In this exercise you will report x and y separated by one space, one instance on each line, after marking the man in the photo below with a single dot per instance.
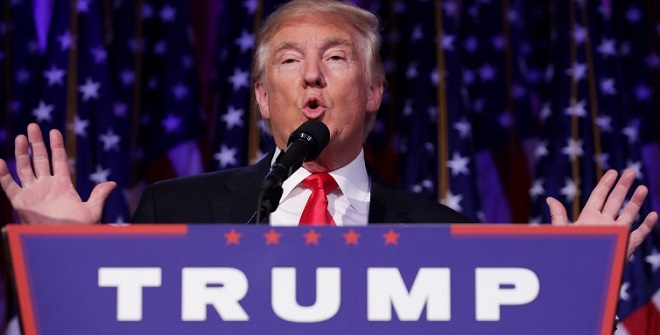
314 60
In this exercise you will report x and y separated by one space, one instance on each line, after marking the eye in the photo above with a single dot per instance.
288 61
336 58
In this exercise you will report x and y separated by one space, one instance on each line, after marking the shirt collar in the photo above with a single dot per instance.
352 179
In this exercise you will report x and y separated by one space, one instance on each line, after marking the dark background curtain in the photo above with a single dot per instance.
491 105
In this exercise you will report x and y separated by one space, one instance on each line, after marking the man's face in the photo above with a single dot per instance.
315 70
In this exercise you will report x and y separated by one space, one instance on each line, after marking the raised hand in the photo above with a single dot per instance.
44 197
604 208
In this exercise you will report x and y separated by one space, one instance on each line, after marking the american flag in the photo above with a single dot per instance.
491 105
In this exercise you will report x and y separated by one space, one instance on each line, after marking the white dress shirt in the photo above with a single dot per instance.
348 204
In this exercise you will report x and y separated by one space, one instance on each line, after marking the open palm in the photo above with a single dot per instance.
605 208
44 197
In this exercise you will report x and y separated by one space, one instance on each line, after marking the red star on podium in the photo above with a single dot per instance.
272 237
351 237
391 237
233 237
312 237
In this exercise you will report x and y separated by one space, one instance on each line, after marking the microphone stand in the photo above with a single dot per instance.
269 199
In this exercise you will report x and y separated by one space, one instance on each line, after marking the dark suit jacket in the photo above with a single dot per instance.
231 196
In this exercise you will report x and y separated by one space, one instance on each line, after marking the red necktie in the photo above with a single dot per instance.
316 210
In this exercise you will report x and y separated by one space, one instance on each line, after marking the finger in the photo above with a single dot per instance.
557 212
599 194
619 193
23 161
60 163
40 161
638 236
629 213
7 181
97 198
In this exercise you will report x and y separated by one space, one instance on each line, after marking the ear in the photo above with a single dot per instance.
262 99
375 97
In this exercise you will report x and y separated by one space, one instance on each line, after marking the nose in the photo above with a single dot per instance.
313 74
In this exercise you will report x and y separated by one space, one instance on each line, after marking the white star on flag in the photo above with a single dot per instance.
623 291
246 41
233 118
607 86
569 190
119 109
579 34
577 71
411 72
604 123
127 77
171 123
448 42
83 6
471 44
498 42
110 140
464 128
100 176
167 13
180 91
573 149
22 76
607 47
458 164
90 89
487 72
66 40
633 15
631 133
654 260
226 156
160 48
603 159
99 54
637 167
541 150
417 33
407 108
453 201
251 6
42 112
537 188
54 75
79 126
577 109
147 11
239 79
546 111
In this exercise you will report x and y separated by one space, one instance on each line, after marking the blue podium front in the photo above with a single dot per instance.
237 279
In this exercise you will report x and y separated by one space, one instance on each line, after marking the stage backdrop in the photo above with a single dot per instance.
491 105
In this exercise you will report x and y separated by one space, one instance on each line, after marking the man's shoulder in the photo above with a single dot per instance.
417 208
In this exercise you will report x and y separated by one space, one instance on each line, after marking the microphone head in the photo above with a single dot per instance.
313 132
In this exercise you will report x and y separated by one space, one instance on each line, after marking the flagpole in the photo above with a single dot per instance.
72 89
253 118
137 93
593 100
442 146
574 118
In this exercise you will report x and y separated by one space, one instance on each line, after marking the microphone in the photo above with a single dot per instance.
305 144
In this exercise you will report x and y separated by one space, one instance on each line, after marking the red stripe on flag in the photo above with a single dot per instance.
644 321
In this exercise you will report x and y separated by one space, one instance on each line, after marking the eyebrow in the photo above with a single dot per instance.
330 43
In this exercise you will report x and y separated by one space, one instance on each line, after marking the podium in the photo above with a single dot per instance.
381 279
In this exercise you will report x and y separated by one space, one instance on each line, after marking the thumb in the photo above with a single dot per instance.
97 198
557 212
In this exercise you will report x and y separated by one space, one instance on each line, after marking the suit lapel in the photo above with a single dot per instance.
242 192
384 207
